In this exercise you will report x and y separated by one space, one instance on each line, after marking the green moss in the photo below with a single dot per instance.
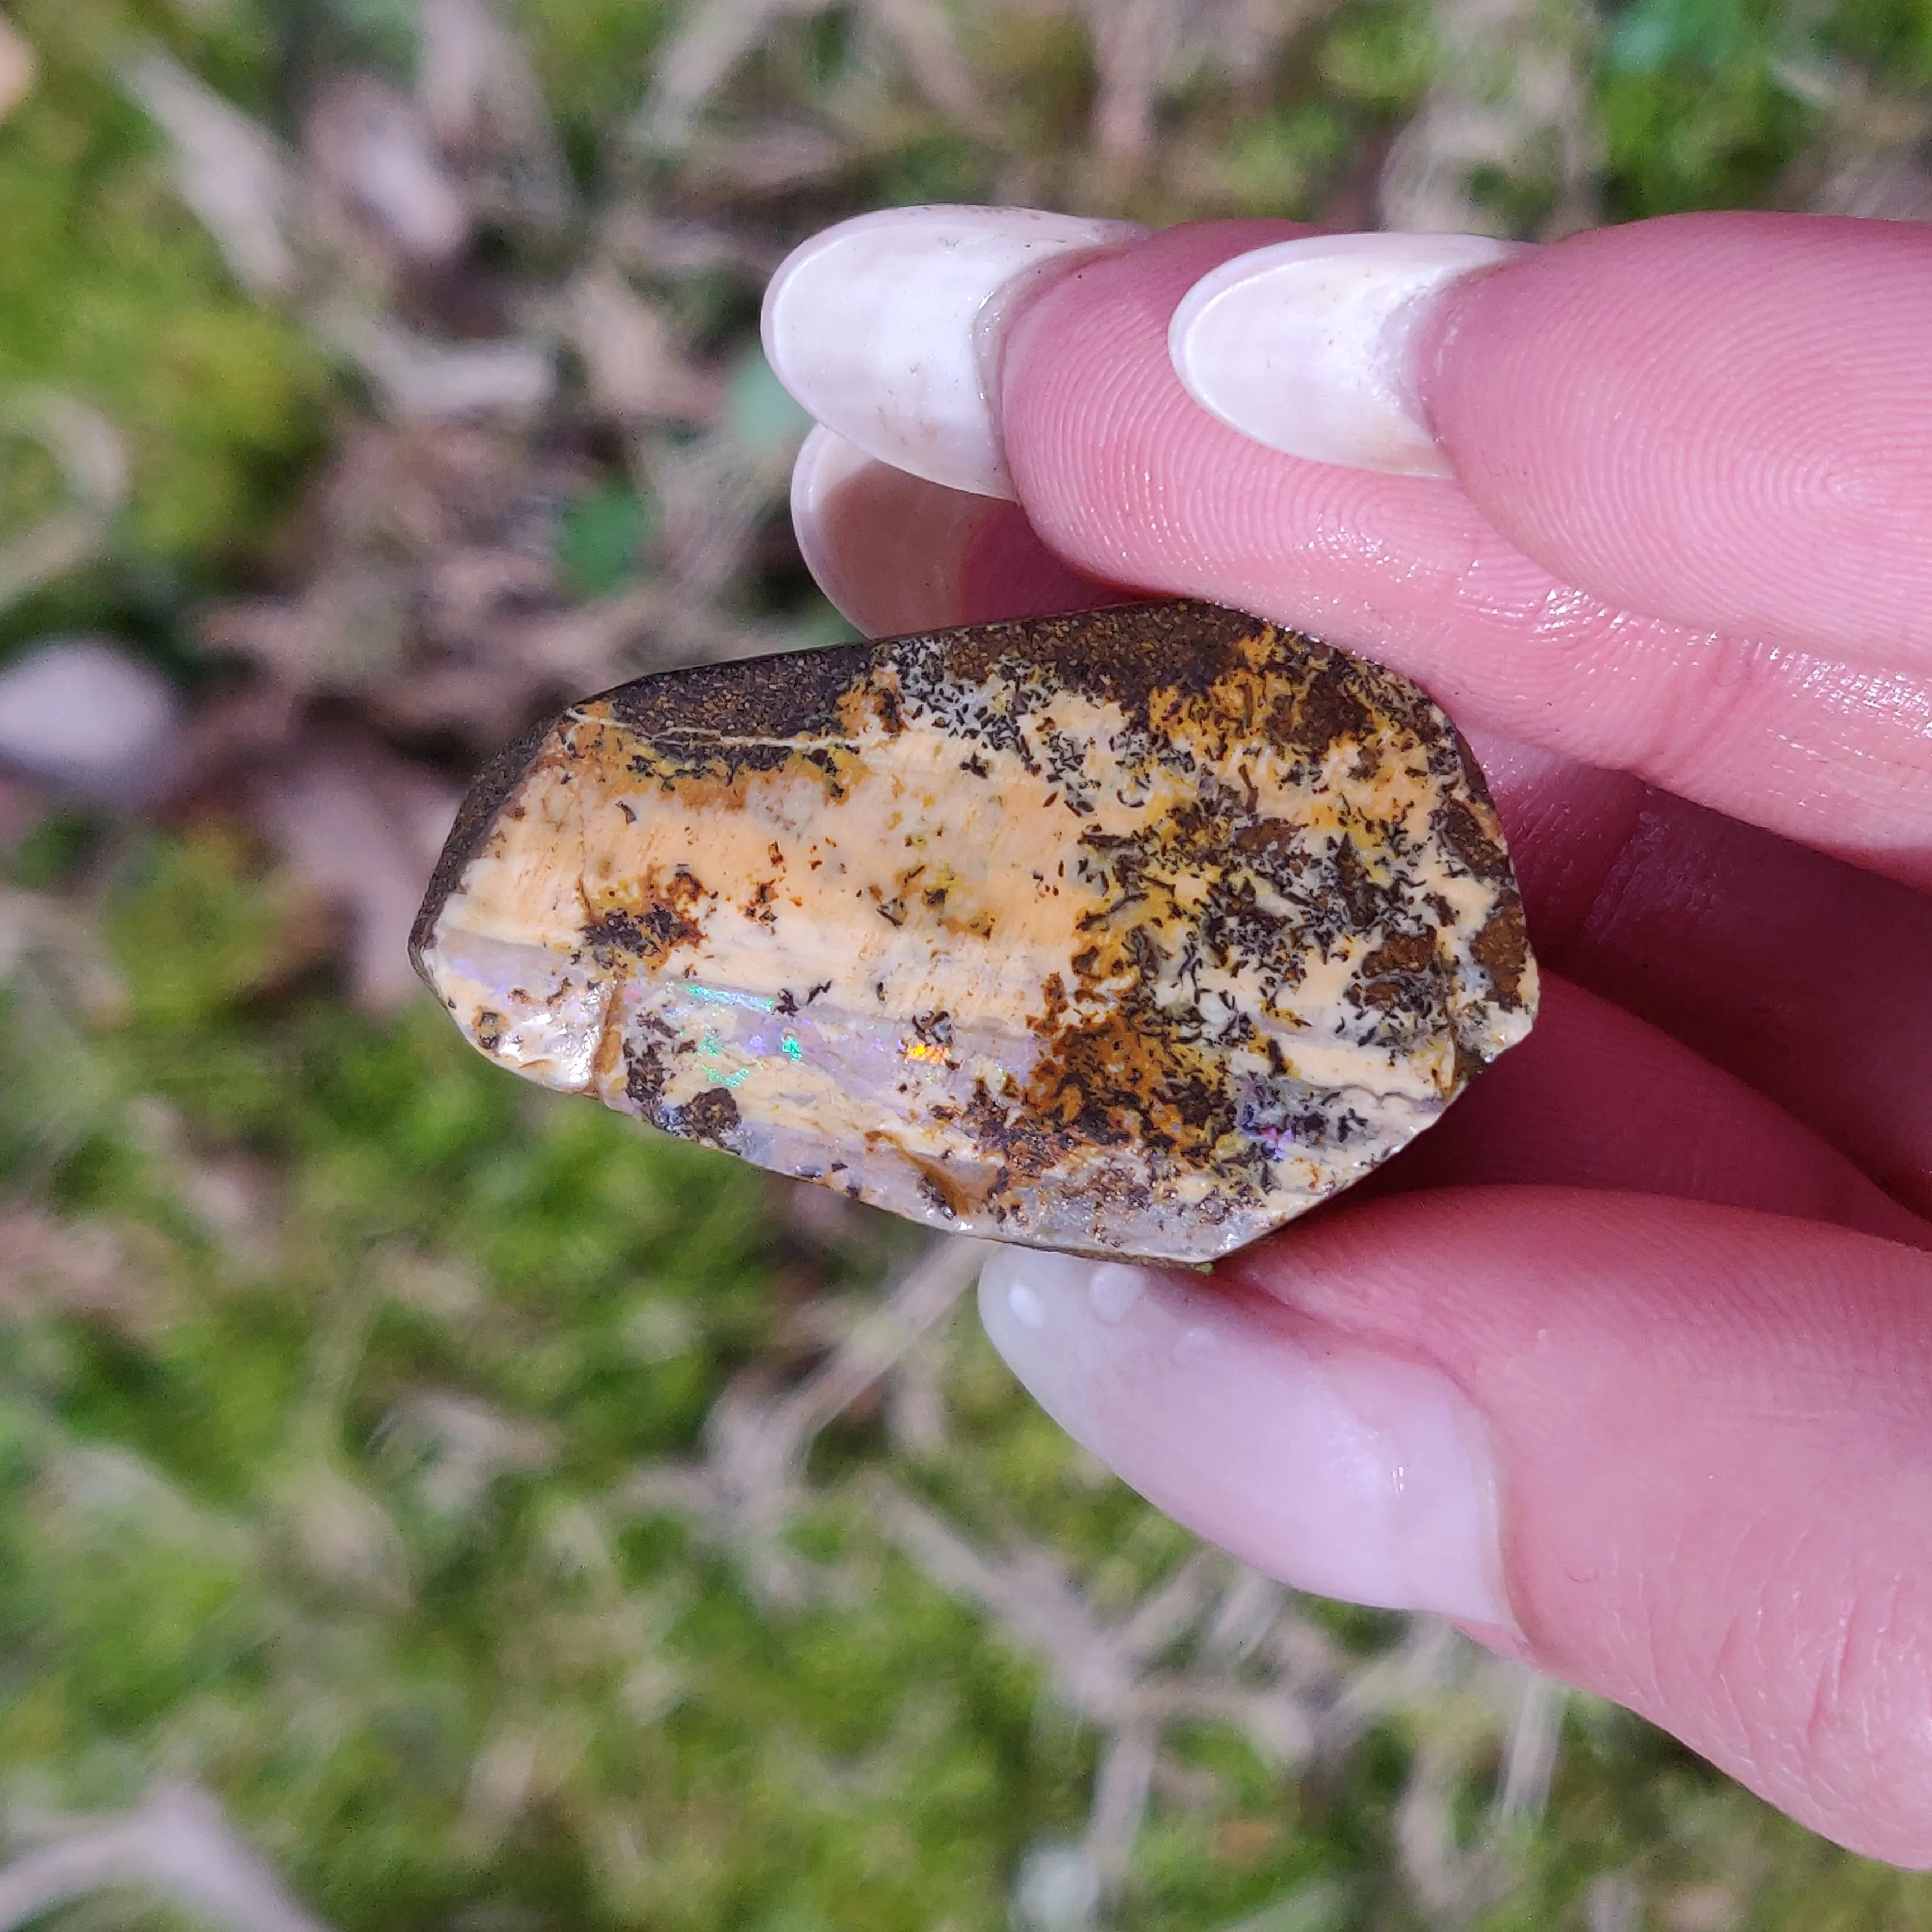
1890 39
109 292
1694 114
593 57
601 537
1383 54
1280 163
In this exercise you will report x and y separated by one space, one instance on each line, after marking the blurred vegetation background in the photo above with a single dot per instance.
424 1504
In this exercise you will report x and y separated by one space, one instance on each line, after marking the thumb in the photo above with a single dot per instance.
1674 1453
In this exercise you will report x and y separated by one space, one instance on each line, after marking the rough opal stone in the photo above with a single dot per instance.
1136 933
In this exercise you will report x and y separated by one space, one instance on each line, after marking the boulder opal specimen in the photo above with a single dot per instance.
1134 933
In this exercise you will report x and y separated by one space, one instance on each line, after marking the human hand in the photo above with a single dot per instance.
1627 1367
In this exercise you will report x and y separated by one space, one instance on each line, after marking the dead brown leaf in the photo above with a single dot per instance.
360 828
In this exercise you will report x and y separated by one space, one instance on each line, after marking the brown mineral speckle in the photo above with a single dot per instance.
712 1116
644 1077
1501 949
1472 834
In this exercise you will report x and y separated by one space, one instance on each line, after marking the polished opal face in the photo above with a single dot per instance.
1136 933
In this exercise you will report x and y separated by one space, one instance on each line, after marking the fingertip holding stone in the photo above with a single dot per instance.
1349 1474
885 328
829 472
887 548
1307 346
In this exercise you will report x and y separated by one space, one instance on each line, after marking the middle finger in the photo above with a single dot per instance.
1800 974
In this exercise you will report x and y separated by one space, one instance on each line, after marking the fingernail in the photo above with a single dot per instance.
1307 346
883 546
828 473
887 328
1333 1469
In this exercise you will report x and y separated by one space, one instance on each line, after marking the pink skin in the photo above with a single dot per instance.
897 551
1711 930
1122 476
1758 466
1697 1314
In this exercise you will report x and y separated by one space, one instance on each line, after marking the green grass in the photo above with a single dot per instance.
110 293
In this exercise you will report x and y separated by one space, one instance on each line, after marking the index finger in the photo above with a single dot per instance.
1725 420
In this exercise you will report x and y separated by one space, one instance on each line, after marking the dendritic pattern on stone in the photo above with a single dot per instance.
1135 932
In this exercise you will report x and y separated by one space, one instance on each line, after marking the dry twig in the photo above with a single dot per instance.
1510 96
750 1487
178 1843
